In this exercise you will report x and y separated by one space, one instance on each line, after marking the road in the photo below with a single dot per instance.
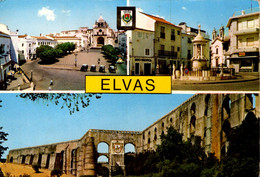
222 87
64 78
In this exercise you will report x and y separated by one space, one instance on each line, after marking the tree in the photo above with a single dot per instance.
3 138
110 53
242 158
71 101
41 49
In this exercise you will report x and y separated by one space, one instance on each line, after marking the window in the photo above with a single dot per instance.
250 24
173 34
22 51
162 47
29 45
147 51
239 43
250 41
216 50
22 44
179 32
139 34
189 40
172 48
162 34
178 49
38 43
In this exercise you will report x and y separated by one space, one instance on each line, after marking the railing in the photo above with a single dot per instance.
211 72
247 11
167 53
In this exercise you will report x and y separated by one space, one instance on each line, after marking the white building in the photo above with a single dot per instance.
140 46
5 58
102 34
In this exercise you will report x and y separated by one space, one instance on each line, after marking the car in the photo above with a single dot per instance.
84 67
93 68
112 69
102 68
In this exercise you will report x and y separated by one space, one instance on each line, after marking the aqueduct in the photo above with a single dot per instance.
207 115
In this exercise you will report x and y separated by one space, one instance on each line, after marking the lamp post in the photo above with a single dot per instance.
75 59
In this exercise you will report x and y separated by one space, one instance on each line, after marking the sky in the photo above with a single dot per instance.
31 123
33 17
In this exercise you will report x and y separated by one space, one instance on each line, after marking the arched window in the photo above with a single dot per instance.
103 147
102 159
130 148
193 109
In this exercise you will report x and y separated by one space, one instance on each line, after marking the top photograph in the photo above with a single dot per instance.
202 45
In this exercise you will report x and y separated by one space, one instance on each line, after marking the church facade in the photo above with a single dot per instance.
102 34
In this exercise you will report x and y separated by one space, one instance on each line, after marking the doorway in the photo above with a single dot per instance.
147 69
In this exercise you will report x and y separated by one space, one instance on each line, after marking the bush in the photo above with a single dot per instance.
36 168
1 173
56 172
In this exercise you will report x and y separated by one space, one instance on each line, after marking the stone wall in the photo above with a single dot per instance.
206 115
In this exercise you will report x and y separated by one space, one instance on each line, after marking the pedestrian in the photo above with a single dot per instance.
50 88
51 82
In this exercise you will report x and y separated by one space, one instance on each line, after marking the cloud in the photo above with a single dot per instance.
49 14
183 8
66 12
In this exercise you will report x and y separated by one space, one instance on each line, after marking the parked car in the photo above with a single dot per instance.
93 68
112 69
102 69
84 67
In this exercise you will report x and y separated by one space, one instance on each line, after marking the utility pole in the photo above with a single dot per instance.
128 47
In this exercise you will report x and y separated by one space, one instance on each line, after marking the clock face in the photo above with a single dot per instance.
100 30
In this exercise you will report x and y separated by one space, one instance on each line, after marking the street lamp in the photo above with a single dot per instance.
75 59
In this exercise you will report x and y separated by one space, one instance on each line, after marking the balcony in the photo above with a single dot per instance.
248 49
247 31
164 53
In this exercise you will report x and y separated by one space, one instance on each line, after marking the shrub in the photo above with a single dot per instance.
1 173
36 168
56 172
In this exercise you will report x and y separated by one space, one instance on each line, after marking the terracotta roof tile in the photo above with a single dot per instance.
158 19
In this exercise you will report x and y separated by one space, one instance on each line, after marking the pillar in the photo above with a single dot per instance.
90 158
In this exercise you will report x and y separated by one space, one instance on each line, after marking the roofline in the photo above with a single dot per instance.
241 16
169 23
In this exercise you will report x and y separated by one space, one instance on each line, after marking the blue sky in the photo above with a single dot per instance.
48 16
33 123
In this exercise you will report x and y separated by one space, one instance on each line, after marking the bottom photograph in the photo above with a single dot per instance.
94 135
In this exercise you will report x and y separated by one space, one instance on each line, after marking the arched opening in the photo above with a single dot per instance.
143 136
103 148
162 133
23 159
206 104
102 159
48 161
130 148
39 159
100 41
11 160
73 163
162 124
102 171
155 137
192 124
226 107
59 160
193 109
31 160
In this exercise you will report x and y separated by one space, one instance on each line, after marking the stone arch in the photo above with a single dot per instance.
193 109
103 147
31 160
11 160
39 159
207 98
103 159
23 159
102 171
130 148
73 162
100 41
48 161
192 124
226 108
